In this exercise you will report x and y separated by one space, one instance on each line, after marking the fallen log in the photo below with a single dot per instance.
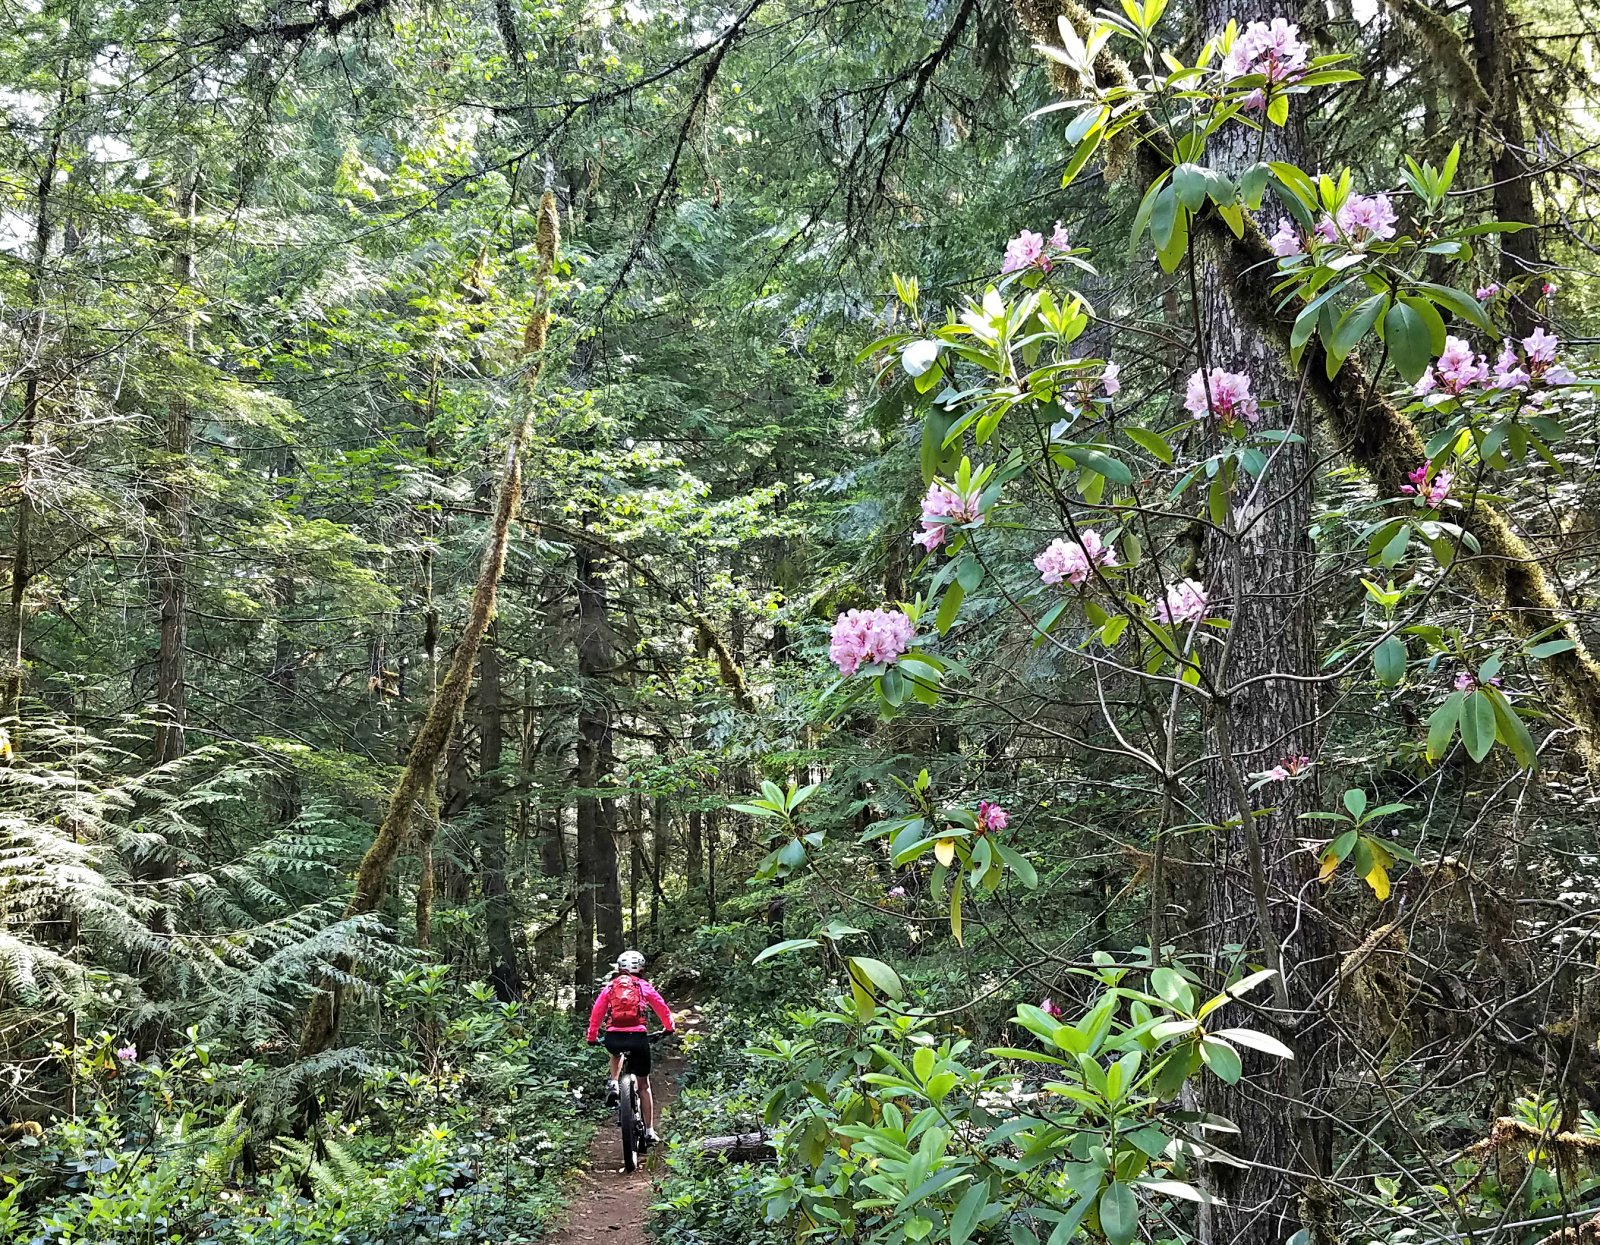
740 1147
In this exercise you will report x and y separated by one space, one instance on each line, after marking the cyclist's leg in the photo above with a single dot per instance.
647 1103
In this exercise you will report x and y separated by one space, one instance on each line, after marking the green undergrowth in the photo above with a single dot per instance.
709 1200
457 1122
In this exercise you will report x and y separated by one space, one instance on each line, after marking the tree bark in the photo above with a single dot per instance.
599 887
504 974
1497 52
1259 571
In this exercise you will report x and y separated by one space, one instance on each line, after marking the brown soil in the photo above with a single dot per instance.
609 1205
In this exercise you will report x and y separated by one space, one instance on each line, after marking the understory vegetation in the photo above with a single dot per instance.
1039 564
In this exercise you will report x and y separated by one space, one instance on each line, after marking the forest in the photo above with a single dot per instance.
1033 568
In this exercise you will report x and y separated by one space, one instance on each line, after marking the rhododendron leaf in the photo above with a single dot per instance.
880 976
1171 988
1395 548
1222 1059
892 687
1355 801
1327 77
969 573
1217 501
1330 864
1097 460
1081 156
1189 183
1389 660
1409 340
944 851
1511 730
1477 725
1377 877
949 607
1442 725
1463 304
1113 629
1085 121
1164 218
1154 442
1278 110
1550 648
1047 622
955 919
1018 864
1171 255
1431 319
1141 218
1255 1040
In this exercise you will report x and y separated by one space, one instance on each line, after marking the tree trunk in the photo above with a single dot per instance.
504 975
712 823
1499 63
599 887
1259 571
694 873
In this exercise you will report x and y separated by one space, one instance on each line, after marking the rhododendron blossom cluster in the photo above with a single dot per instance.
1271 49
1033 250
1286 242
1289 767
861 636
1486 292
1467 681
1458 369
941 507
991 816
1226 394
1071 560
1183 602
1434 492
1364 217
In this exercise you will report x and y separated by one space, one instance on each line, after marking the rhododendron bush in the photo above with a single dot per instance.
1329 342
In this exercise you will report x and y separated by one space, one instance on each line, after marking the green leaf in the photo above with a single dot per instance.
1098 461
783 948
1550 648
969 573
1163 218
1221 1059
1511 729
949 607
1442 725
1119 1213
1189 183
1477 725
1389 660
1395 549
972 1205
1154 442
1409 341
1278 110
1463 304
1355 802
1431 320
882 978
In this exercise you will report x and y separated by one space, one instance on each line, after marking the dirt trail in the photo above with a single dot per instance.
611 1205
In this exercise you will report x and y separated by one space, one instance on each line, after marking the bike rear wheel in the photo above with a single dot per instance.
628 1119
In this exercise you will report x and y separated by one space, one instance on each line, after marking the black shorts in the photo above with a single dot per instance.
636 1046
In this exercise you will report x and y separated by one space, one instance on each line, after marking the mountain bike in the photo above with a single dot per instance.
630 1119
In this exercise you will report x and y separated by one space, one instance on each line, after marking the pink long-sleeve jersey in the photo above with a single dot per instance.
647 993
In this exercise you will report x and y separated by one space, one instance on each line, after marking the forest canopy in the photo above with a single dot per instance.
1036 563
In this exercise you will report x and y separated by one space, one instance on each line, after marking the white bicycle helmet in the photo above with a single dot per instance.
630 962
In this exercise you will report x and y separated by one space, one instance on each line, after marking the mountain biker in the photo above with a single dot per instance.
621 1005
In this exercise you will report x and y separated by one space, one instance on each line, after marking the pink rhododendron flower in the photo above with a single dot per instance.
1426 384
1549 287
1058 238
1229 394
1362 217
991 816
1286 241
1466 681
1458 369
1109 378
127 1053
1327 230
1049 1007
1276 774
1271 49
1256 101
896 892
1560 374
1184 602
1508 370
1433 492
1541 346
942 507
861 636
1486 292
1071 560
1026 250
